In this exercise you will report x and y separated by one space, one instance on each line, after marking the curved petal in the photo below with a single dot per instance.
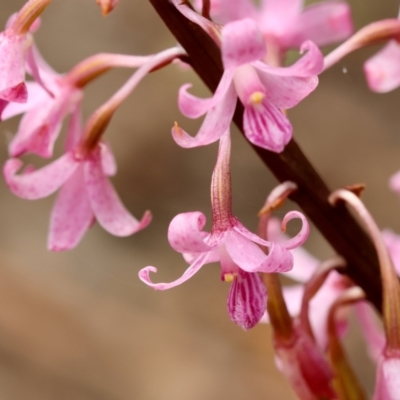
144 274
241 43
387 385
194 107
238 227
266 126
302 236
394 182
215 124
383 69
185 233
324 23
40 183
72 214
106 205
312 63
247 299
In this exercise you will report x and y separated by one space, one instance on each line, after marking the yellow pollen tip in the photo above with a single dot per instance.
229 277
257 98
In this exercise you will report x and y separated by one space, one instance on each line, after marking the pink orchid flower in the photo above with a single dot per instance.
287 24
82 172
232 245
15 52
46 109
263 90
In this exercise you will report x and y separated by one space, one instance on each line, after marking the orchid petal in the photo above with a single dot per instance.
266 126
144 274
387 386
194 107
383 69
215 124
40 183
307 66
72 215
394 182
302 236
247 299
36 95
106 205
324 23
278 16
185 233
238 227
74 130
241 43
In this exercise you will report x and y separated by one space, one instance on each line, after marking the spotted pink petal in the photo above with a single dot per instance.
144 274
72 214
324 23
12 72
194 107
266 126
105 203
383 69
215 124
247 299
40 183
185 233
241 43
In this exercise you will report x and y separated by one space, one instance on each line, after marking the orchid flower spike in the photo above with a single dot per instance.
15 44
388 372
286 24
232 245
82 172
107 5
263 90
46 109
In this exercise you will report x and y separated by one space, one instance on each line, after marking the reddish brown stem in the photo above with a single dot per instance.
336 224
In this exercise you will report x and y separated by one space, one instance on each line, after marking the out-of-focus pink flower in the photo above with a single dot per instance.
264 91
387 386
85 193
46 109
232 245
107 5
287 24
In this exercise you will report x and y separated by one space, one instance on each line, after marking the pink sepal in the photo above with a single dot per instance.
241 43
107 159
383 69
324 23
105 203
247 299
40 183
215 124
185 233
72 214
144 274
194 107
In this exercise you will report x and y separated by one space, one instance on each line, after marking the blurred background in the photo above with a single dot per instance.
80 325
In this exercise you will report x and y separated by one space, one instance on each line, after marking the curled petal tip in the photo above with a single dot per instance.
107 5
357 188
277 197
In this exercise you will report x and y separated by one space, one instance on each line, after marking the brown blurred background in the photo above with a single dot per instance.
80 325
